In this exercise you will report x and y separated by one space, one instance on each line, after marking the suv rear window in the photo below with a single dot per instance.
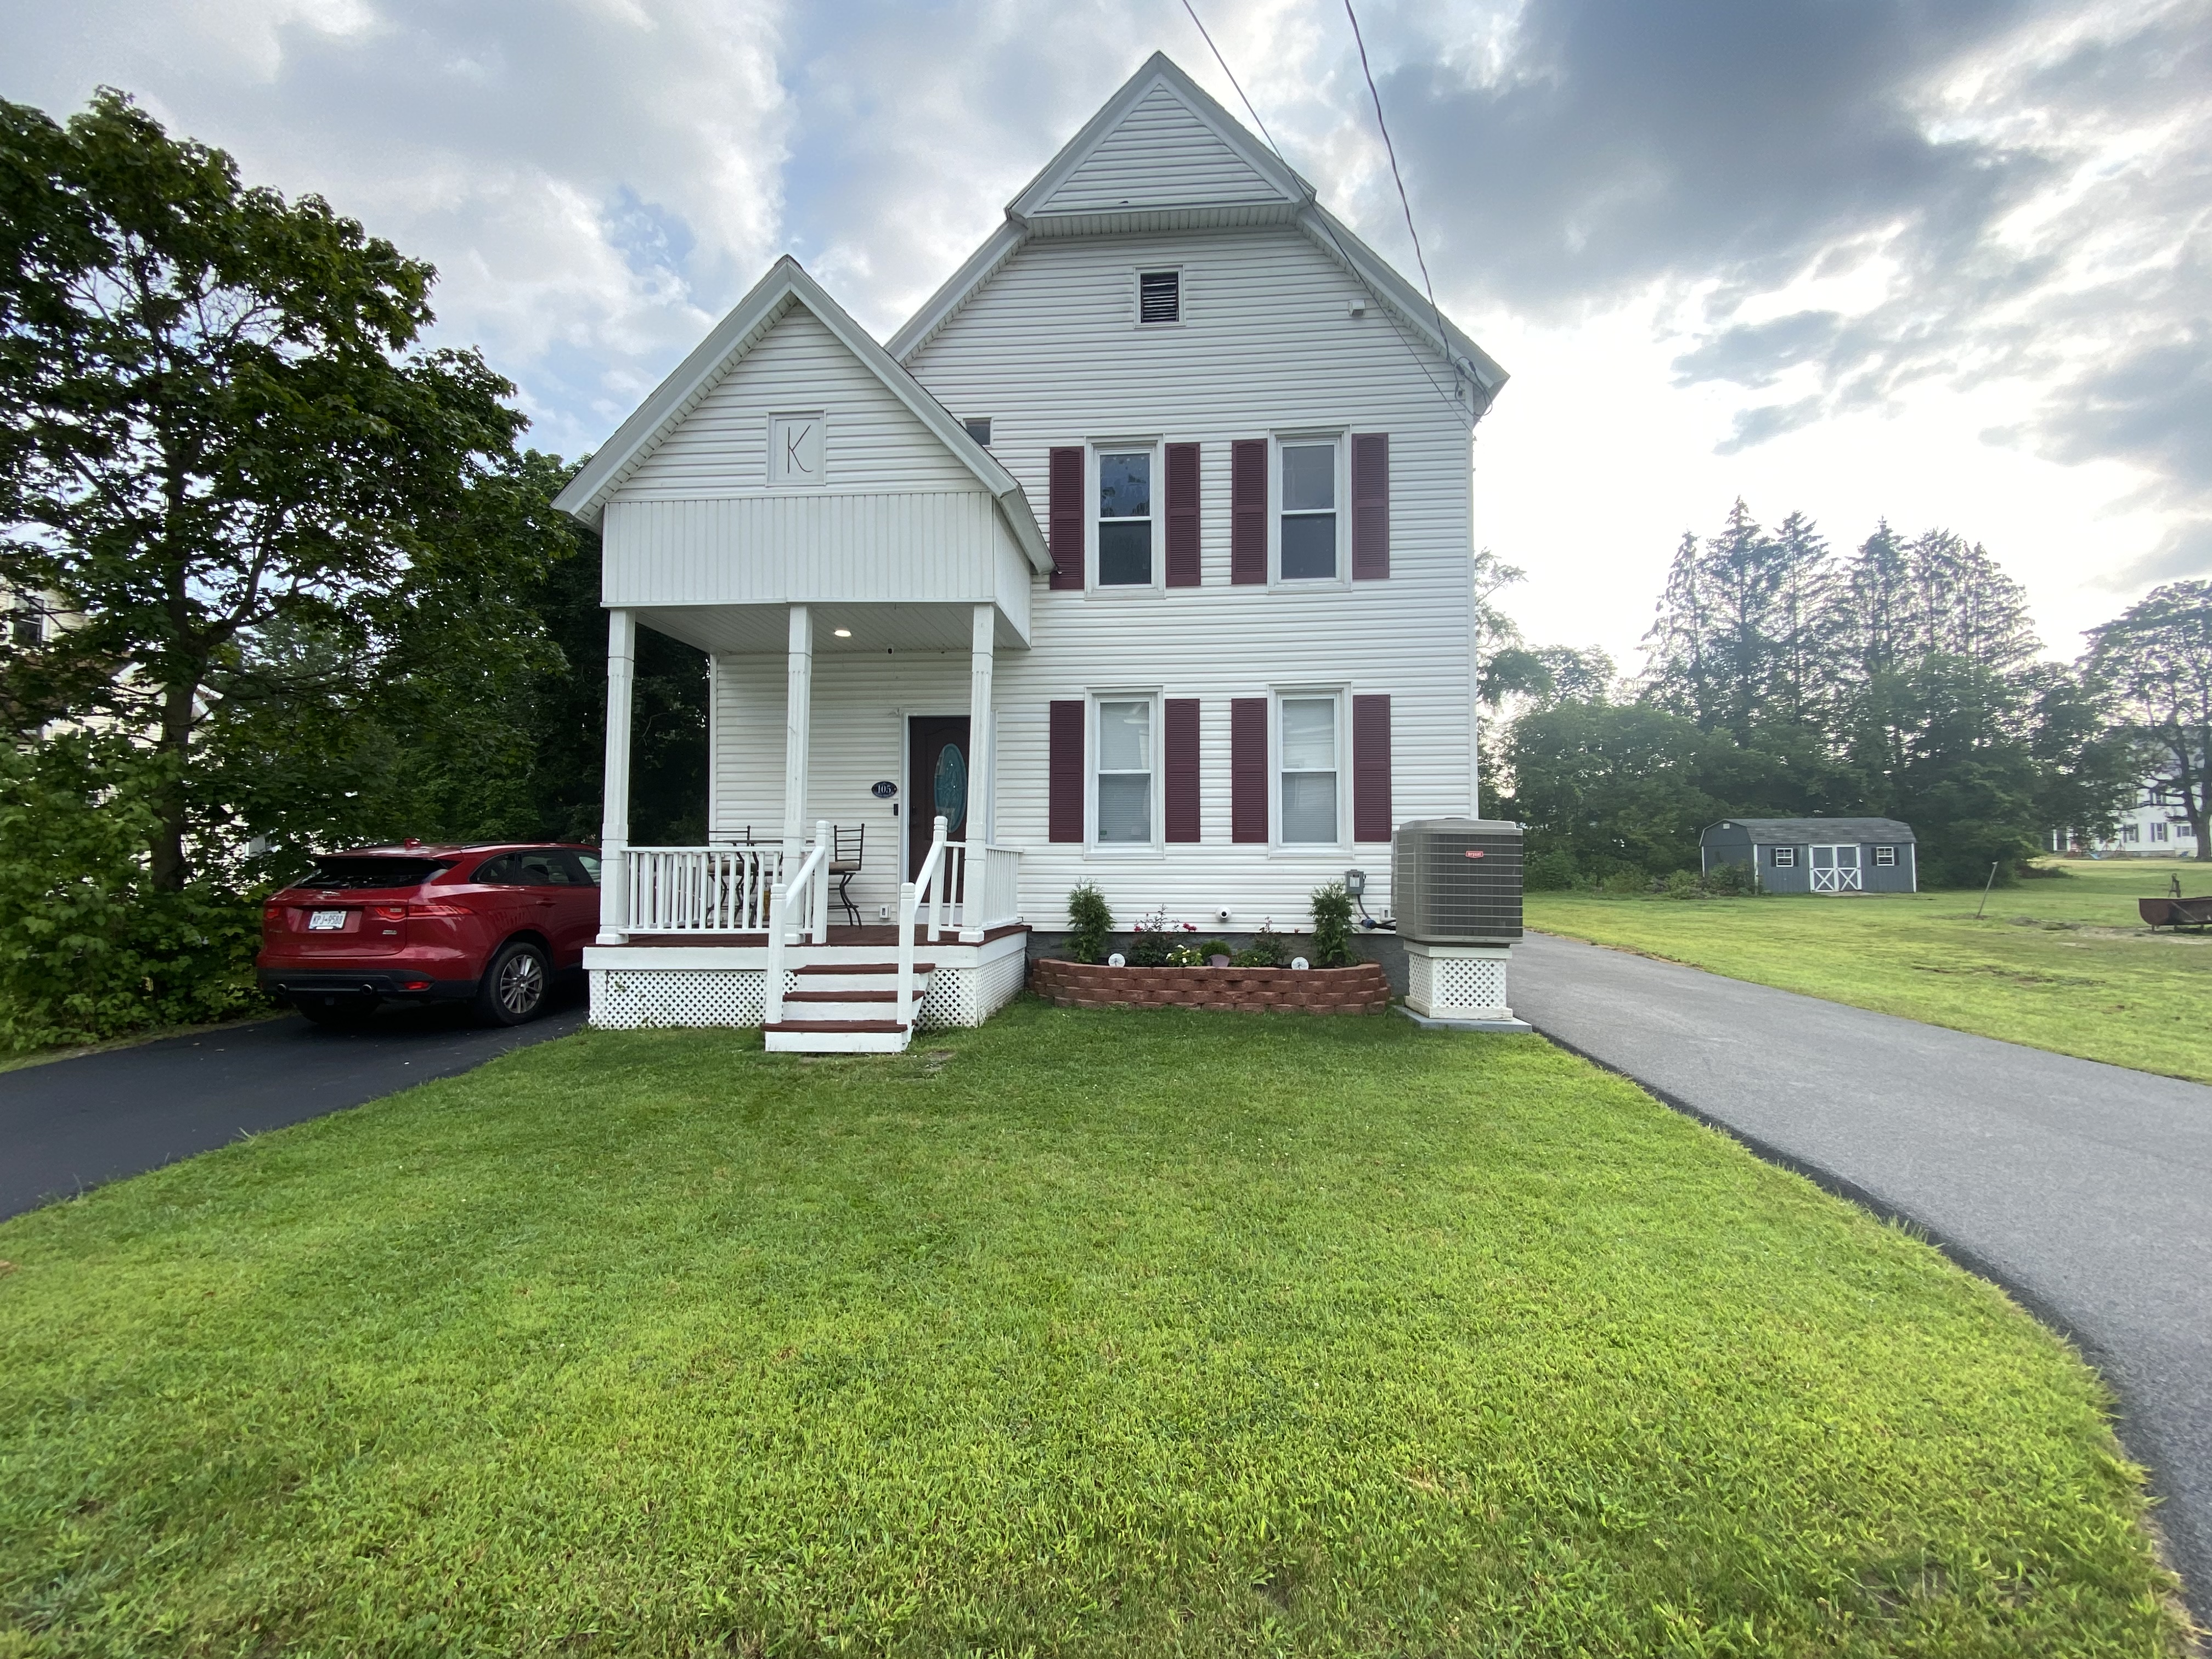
342 871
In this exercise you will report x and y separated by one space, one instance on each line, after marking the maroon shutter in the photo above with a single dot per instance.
1182 521
1370 505
1182 758
1247 513
1370 769
1064 523
1248 768
1064 773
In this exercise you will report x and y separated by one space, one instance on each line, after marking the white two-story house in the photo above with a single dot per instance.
1141 556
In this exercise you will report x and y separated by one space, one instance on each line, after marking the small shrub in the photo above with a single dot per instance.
1090 923
1680 884
1186 956
1151 948
1269 949
1215 947
1731 881
1332 932
1549 872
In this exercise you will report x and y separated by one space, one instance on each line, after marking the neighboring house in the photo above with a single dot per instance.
1817 855
2154 827
1142 553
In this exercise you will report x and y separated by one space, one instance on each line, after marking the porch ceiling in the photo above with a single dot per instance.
920 626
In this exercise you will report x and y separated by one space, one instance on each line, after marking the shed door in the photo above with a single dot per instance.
1836 869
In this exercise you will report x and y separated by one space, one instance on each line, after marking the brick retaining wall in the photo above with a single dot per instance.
1359 989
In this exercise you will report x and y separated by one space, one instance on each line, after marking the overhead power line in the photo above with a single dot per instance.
1444 337
1397 178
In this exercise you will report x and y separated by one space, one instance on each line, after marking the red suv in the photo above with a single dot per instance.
415 924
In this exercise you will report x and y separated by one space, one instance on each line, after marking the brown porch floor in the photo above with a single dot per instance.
883 935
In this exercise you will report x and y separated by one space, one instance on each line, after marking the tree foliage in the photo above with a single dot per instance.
224 454
2157 658
1898 680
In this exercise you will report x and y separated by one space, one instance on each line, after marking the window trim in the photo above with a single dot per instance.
1137 275
1784 858
1094 750
1340 696
1341 436
1156 447
1885 858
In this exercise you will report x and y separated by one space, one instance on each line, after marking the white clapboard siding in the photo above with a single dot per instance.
791 548
860 703
871 440
1160 155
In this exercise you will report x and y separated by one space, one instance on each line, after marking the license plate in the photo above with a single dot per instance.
326 922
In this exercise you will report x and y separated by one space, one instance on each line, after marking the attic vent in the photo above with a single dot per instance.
1159 296
980 430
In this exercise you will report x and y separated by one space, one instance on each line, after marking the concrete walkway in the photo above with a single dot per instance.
70 1124
2086 1190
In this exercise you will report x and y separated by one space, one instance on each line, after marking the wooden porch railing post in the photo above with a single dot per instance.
821 895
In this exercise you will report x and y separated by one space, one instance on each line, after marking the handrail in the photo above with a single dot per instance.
909 899
810 878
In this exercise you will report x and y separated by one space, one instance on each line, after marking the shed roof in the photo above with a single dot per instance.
1789 831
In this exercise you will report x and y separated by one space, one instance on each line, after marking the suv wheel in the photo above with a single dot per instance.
512 990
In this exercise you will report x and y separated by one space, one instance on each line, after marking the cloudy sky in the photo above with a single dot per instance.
1948 262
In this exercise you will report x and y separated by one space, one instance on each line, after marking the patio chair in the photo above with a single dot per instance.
847 843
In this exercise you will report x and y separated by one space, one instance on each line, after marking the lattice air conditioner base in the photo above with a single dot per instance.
1458 983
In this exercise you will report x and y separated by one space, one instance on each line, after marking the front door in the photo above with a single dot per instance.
936 782
1836 869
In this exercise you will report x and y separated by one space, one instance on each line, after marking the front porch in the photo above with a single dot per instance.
731 932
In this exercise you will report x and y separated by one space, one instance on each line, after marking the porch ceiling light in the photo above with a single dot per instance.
842 633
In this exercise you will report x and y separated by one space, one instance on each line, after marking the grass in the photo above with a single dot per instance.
1108 1332
2063 963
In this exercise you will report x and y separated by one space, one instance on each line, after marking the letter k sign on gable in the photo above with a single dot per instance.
795 450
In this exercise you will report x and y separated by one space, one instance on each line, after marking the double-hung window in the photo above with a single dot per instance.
1785 858
1124 771
1307 745
1307 534
1885 858
1125 518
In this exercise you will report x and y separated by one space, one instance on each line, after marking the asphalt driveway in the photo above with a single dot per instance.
2086 1190
70 1124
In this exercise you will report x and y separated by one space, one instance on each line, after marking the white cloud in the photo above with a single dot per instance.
1935 261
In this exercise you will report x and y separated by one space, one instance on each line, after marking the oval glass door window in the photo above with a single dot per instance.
950 789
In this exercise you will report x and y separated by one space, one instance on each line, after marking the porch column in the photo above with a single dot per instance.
798 707
982 764
614 821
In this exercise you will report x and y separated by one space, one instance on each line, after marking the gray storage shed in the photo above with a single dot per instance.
1817 855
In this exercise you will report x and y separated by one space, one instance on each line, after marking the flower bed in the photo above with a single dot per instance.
1359 989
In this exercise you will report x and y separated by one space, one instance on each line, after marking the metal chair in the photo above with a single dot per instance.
847 844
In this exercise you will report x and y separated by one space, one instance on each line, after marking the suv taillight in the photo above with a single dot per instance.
438 910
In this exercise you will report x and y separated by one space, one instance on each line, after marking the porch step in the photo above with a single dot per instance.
836 1036
848 981
843 1004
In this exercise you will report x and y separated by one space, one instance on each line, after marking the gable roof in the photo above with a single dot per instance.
1162 154
787 284
1787 831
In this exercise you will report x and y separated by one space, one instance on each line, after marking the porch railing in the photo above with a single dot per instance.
987 882
930 878
800 904
701 890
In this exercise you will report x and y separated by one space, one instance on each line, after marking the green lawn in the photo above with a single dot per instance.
1121 1333
2062 963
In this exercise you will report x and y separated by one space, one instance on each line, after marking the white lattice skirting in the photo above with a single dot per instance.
1456 981
626 999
